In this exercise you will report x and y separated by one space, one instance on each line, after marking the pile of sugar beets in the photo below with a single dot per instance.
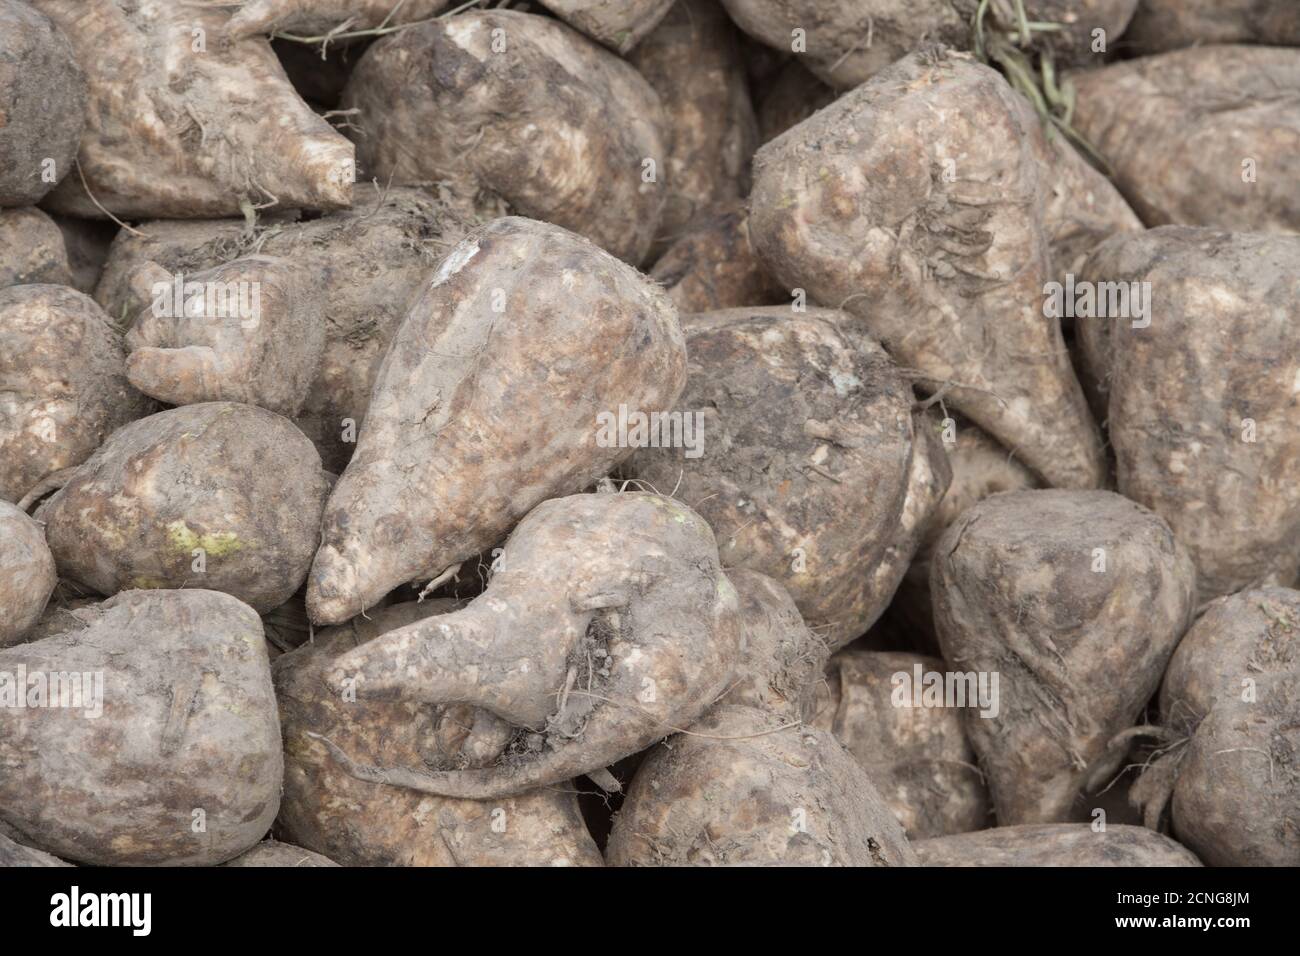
755 432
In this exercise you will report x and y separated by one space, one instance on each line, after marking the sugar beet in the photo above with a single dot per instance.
500 367
69 389
365 823
224 495
186 734
805 460
1076 600
607 625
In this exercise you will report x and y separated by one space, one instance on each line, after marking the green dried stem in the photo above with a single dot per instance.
1031 73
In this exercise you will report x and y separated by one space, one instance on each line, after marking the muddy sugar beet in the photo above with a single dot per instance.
43 104
71 363
693 61
1202 399
219 494
1077 600
368 823
27 574
157 94
747 783
488 402
1228 732
853 206
848 41
32 249
366 263
570 148
248 331
712 264
173 757
918 755
1232 166
608 624
810 467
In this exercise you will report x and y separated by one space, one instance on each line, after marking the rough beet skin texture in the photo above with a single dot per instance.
488 402
218 495
42 104
917 203
1202 137
918 757
185 122
1201 394
365 823
1230 712
368 263
607 624
804 458
187 733
512 112
68 369
253 334
1075 600
27 574
1055 844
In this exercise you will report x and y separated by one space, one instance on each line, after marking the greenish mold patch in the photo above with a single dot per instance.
216 544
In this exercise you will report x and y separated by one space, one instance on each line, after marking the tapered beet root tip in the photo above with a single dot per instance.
332 588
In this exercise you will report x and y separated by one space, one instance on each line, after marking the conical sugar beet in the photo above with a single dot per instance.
750 783
490 401
365 823
916 203
607 625
63 385
748 786
161 744
1207 136
803 457
1202 393
505 110
694 62
184 122
1072 601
